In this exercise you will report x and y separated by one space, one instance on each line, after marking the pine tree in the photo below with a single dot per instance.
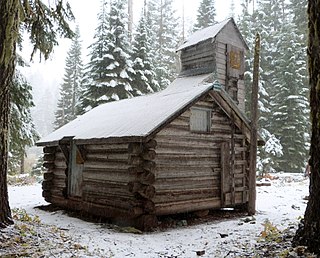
232 9
38 169
71 87
289 101
249 24
287 88
109 72
206 15
95 70
283 102
43 24
22 130
165 40
144 79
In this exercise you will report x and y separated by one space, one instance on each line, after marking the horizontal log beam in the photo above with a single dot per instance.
187 206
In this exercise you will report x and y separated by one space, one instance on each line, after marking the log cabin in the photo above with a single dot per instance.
183 149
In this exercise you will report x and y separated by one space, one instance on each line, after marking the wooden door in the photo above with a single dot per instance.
75 171
227 175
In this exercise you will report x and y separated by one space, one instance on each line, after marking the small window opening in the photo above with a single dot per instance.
200 120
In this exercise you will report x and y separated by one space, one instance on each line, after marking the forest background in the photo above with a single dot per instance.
126 57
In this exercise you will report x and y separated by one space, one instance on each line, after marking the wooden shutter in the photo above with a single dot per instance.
200 120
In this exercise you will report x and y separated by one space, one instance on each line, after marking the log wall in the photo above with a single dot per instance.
198 59
117 181
188 165
210 56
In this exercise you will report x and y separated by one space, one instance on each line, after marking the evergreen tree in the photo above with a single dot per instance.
249 24
71 87
22 130
298 10
38 169
283 102
206 15
165 40
232 9
289 101
43 24
110 69
95 70
144 78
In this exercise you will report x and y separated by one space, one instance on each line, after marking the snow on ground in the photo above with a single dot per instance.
281 203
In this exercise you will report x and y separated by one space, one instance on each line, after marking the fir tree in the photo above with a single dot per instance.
109 72
283 101
163 23
232 9
206 15
38 169
249 24
71 87
95 70
290 105
22 130
144 79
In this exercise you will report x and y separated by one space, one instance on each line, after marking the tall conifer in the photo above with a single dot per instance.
109 72
206 14
144 79
71 87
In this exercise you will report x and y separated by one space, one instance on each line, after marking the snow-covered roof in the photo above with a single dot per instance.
207 33
137 116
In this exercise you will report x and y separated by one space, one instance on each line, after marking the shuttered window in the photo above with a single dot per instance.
200 120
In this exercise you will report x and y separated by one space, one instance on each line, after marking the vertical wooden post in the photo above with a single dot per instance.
254 128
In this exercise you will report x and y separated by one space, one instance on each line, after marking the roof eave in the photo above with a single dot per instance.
98 140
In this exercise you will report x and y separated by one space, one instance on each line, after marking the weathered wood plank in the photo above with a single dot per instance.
185 195
105 165
187 206
116 176
104 147
191 172
107 157
185 183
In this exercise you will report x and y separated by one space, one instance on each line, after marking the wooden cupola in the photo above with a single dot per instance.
218 49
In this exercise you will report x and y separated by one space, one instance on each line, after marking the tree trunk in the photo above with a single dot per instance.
130 22
22 159
254 128
308 232
9 29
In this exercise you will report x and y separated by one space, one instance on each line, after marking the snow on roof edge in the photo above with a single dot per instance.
204 34
189 43
180 93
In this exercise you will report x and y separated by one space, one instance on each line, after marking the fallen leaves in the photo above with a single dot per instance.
31 238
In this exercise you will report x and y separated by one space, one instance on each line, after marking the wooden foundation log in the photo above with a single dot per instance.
136 211
46 193
146 191
149 206
146 222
